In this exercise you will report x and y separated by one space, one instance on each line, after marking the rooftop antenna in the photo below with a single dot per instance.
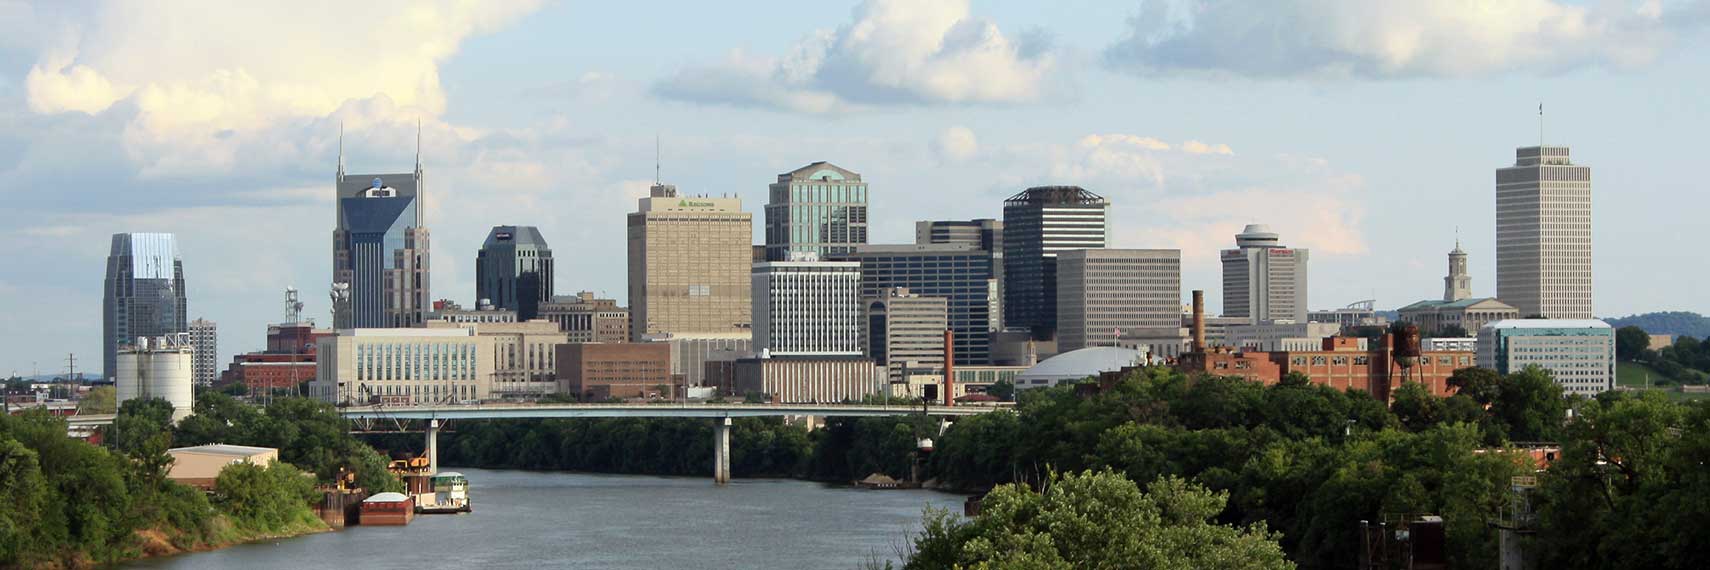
418 144
1540 127
341 150
655 159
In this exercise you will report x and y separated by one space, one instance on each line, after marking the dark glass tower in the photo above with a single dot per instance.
514 270
143 295
1037 224
380 251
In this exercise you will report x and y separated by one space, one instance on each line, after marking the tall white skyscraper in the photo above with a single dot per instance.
205 364
1543 234
807 307
1264 281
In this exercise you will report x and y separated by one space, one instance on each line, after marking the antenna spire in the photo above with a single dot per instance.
418 144
655 159
1540 127
341 150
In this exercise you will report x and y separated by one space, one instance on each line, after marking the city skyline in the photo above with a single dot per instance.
1212 145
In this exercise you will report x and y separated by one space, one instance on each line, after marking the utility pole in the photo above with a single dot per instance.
70 366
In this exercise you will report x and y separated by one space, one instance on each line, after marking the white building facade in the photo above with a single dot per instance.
1543 234
807 307
1578 353
205 338
403 366
1264 281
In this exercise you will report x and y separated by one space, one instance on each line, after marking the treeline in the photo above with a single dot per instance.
307 432
67 503
1311 462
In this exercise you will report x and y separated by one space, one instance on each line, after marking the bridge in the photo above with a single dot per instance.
366 417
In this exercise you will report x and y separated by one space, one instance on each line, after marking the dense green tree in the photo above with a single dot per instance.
23 496
99 400
1630 341
1529 406
1003 390
1416 407
1097 521
265 498
1480 384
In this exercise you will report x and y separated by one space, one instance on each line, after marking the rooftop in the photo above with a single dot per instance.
1084 362
1548 324
224 449
1055 195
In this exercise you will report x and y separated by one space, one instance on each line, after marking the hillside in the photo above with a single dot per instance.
1678 323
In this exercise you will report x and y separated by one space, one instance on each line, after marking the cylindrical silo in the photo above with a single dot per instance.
160 368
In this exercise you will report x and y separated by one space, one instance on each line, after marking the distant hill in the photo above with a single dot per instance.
1678 323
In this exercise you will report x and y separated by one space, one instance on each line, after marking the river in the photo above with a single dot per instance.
538 520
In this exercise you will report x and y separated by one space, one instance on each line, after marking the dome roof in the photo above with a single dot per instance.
1082 363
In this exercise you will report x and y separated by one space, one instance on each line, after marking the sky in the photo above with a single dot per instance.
1365 130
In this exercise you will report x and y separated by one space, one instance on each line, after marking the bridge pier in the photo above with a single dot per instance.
721 451
433 447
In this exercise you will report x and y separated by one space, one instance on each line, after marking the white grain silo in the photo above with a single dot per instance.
159 367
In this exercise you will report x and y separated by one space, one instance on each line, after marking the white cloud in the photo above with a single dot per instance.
894 51
1397 38
956 144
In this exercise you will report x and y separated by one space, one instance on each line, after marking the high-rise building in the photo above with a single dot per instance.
1264 281
513 271
1457 284
688 265
1543 234
1038 224
985 233
205 339
1578 353
143 294
807 307
959 273
585 318
905 330
1103 294
820 208
380 250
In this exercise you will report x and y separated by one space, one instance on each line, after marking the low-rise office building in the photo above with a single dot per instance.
405 366
585 318
597 371
905 330
199 466
1578 353
808 380
521 355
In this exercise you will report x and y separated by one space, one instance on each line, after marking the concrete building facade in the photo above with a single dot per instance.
905 330
513 270
585 318
1278 337
205 339
1578 353
960 273
1104 293
807 308
820 209
522 356
1039 223
1543 234
1263 280
404 366
381 256
808 380
1470 314
142 294
688 265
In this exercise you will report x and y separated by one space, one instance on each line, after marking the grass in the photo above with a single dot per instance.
1642 377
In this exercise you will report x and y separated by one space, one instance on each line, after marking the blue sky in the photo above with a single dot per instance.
1367 131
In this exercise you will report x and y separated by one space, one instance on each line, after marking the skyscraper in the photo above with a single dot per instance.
960 273
807 307
1543 234
903 329
1103 294
514 270
380 249
205 364
986 234
1037 224
820 208
1457 285
688 265
1263 281
143 294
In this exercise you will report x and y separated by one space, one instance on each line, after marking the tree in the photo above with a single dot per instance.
142 431
100 400
264 499
23 496
1002 390
1478 383
1529 406
1630 341
1416 407
1097 520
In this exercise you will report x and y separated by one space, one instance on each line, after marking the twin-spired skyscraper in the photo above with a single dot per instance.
380 250
1543 234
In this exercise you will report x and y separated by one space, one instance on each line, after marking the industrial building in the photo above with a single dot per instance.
158 367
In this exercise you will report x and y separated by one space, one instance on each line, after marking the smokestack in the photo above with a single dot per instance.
1198 320
949 368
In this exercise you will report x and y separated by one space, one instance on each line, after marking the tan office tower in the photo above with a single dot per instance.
1543 234
689 260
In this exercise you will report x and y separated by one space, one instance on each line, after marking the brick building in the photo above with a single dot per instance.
288 361
596 371
1341 363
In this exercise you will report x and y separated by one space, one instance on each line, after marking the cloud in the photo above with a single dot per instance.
956 144
893 52
1397 38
